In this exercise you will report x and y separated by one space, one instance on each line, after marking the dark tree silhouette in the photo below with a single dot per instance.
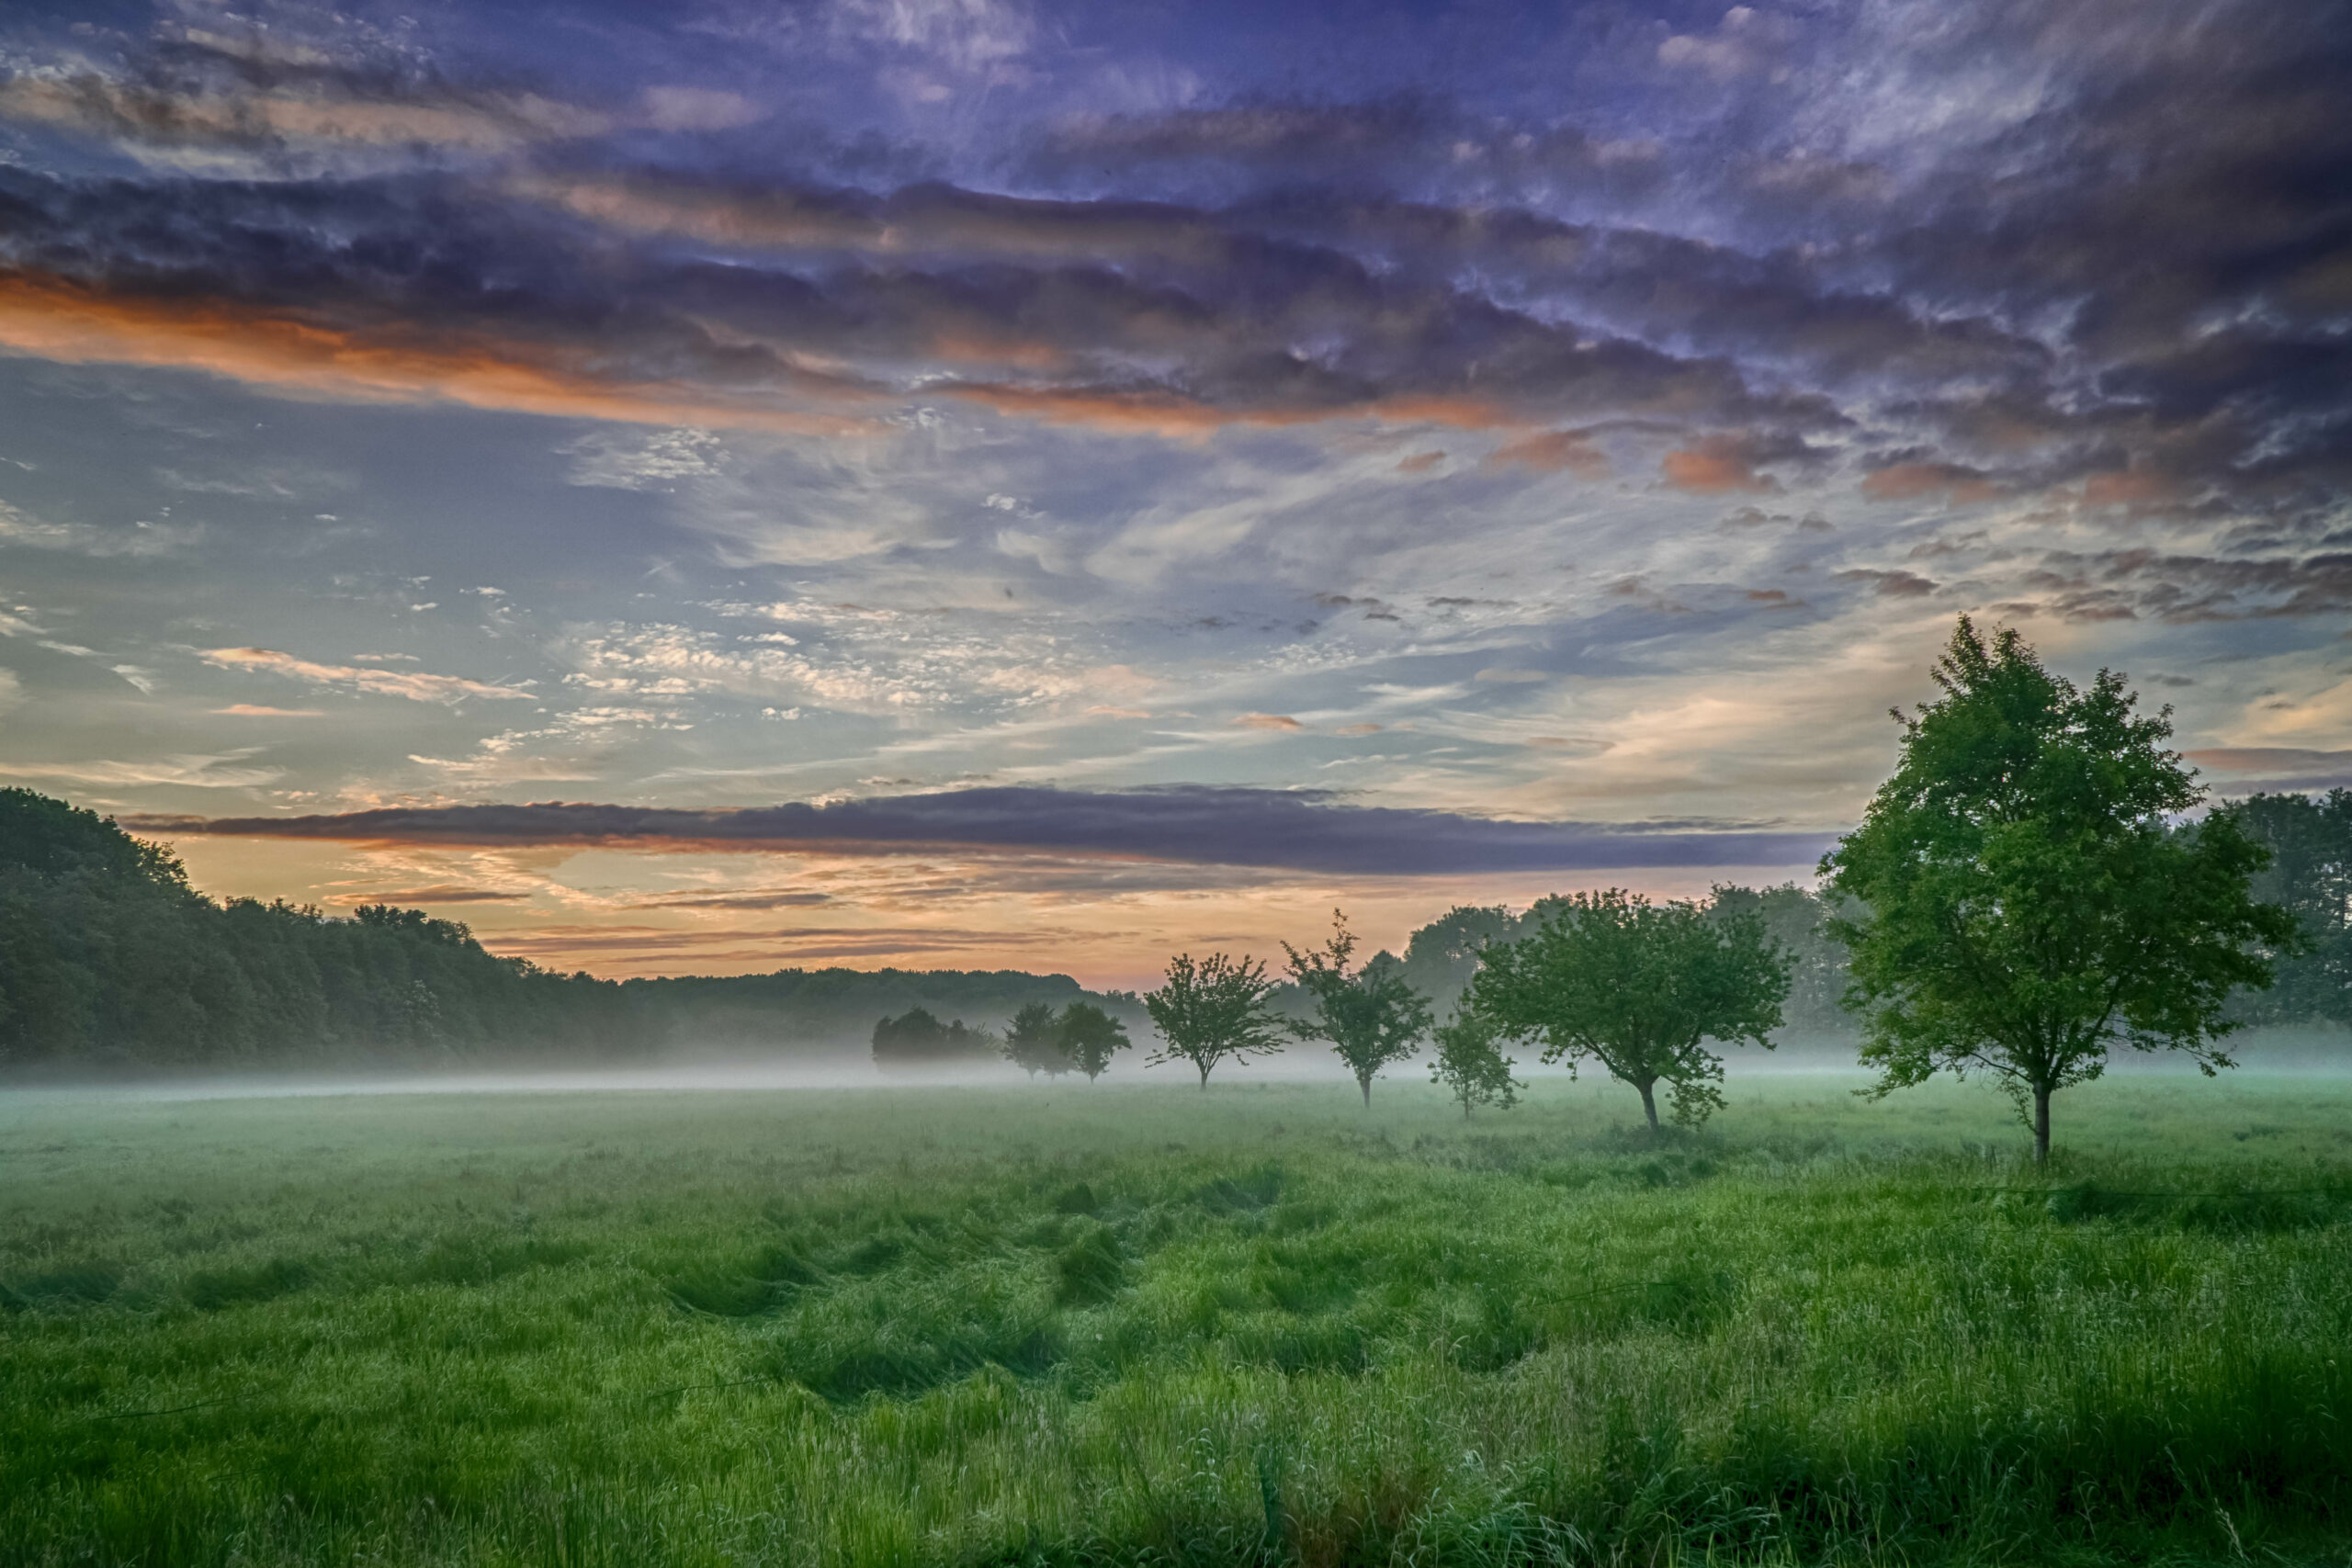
1090 1037
1033 1041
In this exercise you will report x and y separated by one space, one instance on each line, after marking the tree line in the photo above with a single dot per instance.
2028 894
2032 890
109 960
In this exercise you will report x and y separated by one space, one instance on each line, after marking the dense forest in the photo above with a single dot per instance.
109 959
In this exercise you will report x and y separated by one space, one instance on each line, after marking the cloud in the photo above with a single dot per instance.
139 539
1553 450
2283 761
440 893
183 770
1890 584
278 351
1280 721
321 112
1295 830
413 685
257 710
1717 465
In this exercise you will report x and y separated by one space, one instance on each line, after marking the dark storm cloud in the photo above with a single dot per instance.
1298 831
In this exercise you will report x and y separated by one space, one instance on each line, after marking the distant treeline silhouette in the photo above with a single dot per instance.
108 958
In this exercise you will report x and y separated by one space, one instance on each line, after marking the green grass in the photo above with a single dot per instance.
1128 1325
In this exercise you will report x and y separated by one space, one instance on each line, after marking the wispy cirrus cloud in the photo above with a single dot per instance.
417 686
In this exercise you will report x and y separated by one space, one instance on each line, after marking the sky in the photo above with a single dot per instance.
974 483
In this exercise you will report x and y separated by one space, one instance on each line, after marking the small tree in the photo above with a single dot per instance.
1210 1010
2028 905
1638 988
1090 1037
1471 1064
1370 1016
1033 1041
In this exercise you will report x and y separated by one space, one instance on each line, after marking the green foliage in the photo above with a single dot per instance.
1638 988
1440 957
917 1039
1799 924
1090 1038
1212 1012
1371 1016
818 1328
1033 1041
107 958
1471 1066
2026 905
2310 876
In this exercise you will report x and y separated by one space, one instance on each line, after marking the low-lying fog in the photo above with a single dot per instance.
2302 1051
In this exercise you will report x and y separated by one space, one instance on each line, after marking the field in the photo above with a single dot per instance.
1130 1325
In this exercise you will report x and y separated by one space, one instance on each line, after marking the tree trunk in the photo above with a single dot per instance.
1363 1082
2042 1125
1650 1104
1204 1077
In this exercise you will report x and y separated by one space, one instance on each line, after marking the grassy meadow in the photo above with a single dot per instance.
1144 1324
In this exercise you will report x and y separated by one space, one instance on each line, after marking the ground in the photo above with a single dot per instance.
1068 1323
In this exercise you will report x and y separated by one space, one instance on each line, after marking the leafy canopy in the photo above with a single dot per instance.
1213 1010
1371 1016
2026 902
1089 1037
1033 1041
1638 988
1471 1064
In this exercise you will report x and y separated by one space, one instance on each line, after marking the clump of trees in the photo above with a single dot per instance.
2310 876
2026 902
917 1039
1090 1037
1079 1038
108 958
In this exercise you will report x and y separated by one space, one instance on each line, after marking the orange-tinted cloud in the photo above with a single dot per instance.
50 318
2135 487
1268 721
1160 412
415 685
1909 481
1715 465
1552 451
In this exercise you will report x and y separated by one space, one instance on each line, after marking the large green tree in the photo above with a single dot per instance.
1370 1016
1638 988
2026 905
1213 1009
